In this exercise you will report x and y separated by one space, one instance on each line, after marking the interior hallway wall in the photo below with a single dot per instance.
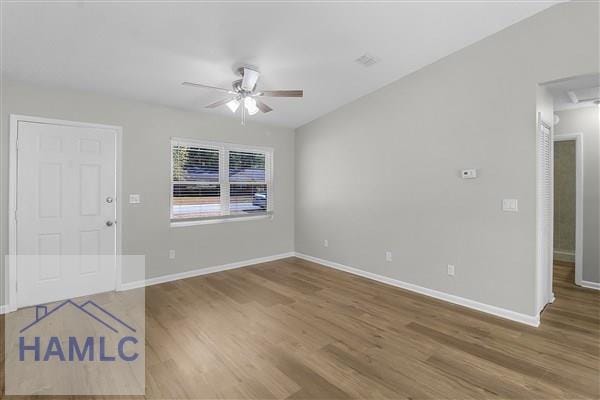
587 122
564 200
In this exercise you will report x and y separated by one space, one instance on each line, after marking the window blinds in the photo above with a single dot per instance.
217 180
247 182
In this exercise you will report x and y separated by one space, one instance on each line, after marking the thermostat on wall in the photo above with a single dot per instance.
469 173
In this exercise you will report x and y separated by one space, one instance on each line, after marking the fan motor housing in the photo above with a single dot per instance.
237 85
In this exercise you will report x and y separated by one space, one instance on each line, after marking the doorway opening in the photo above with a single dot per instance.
568 206
568 186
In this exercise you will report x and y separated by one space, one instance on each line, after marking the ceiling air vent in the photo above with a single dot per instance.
367 60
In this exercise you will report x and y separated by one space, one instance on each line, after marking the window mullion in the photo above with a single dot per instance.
224 180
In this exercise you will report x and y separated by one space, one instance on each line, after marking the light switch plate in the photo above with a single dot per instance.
134 199
451 269
510 205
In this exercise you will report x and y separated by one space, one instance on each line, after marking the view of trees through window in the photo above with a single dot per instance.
197 188
247 190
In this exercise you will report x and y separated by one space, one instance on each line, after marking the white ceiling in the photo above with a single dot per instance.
144 51
583 87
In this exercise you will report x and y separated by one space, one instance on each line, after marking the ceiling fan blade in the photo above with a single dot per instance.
220 102
263 107
249 79
586 100
281 93
199 85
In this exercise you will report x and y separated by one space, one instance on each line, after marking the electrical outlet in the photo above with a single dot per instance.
172 254
325 243
450 270
388 256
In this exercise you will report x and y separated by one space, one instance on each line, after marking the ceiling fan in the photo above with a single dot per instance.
244 93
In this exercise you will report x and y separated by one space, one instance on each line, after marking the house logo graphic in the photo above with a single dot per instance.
119 345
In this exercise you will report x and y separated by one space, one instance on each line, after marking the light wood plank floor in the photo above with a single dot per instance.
294 329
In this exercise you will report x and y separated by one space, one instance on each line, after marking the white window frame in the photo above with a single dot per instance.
224 149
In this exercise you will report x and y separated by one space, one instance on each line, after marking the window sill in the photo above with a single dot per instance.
183 223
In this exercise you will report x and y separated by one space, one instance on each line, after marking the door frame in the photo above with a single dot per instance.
578 138
10 270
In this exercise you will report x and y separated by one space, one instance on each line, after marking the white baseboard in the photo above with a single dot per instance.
497 311
590 285
7 308
531 320
202 271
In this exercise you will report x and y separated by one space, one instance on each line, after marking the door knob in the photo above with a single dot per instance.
109 223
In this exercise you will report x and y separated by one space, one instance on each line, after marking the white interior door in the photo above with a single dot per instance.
66 208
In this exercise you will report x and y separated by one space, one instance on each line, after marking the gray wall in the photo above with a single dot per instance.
382 173
564 200
587 122
146 170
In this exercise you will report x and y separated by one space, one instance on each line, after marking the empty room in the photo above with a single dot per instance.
300 199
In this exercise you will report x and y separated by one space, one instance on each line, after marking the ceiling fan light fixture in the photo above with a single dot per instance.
233 105
243 92
250 105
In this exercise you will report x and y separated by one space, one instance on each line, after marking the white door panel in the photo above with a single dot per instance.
64 176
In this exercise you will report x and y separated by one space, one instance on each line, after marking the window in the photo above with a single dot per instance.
218 181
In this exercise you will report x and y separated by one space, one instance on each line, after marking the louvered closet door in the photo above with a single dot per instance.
65 197
545 210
